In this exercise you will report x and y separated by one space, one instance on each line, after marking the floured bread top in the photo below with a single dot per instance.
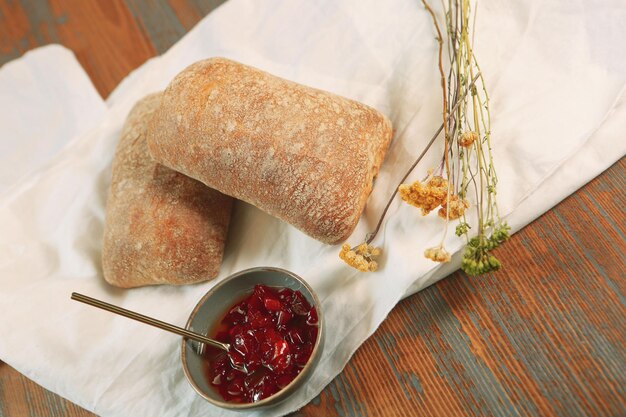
161 226
301 154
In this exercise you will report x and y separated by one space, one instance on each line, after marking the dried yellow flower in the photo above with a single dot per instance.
468 138
457 207
426 197
360 257
437 254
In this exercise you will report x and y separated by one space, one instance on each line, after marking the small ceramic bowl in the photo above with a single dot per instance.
212 307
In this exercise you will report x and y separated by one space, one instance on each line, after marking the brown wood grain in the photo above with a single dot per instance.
19 397
543 337
104 35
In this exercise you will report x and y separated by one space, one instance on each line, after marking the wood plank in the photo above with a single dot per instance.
189 13
20 396
23 27
159 21
544 337
106 38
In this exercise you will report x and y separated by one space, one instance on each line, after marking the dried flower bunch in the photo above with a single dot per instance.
466 171
361 257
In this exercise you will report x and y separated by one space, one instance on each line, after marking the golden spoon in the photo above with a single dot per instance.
149 320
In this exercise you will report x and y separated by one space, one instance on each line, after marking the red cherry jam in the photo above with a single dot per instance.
271 335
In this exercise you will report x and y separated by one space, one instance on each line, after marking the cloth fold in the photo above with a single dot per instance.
558 110
35 126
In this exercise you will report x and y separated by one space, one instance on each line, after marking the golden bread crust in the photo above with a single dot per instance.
161 227
303 155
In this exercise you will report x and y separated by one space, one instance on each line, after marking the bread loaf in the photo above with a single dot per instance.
303 155
161 227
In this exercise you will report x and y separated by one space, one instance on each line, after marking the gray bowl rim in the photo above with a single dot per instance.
293 385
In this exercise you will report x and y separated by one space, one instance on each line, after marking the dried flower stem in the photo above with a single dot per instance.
444 86
467 159
370 236
446 127
476 162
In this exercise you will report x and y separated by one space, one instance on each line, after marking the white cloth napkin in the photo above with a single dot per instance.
556 73
46 99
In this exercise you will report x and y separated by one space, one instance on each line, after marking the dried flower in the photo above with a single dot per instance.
477 258
457 208
468 138
426 197
467 167
360 257
437 254
462 228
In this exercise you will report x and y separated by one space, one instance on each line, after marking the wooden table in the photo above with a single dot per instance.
546 336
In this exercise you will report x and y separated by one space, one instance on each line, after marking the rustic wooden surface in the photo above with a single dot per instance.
544 337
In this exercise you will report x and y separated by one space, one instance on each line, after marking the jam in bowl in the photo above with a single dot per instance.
271 335
272 321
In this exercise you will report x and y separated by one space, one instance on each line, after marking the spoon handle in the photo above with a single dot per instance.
149 320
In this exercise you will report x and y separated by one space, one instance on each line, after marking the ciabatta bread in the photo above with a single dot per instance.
303 155
161 227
